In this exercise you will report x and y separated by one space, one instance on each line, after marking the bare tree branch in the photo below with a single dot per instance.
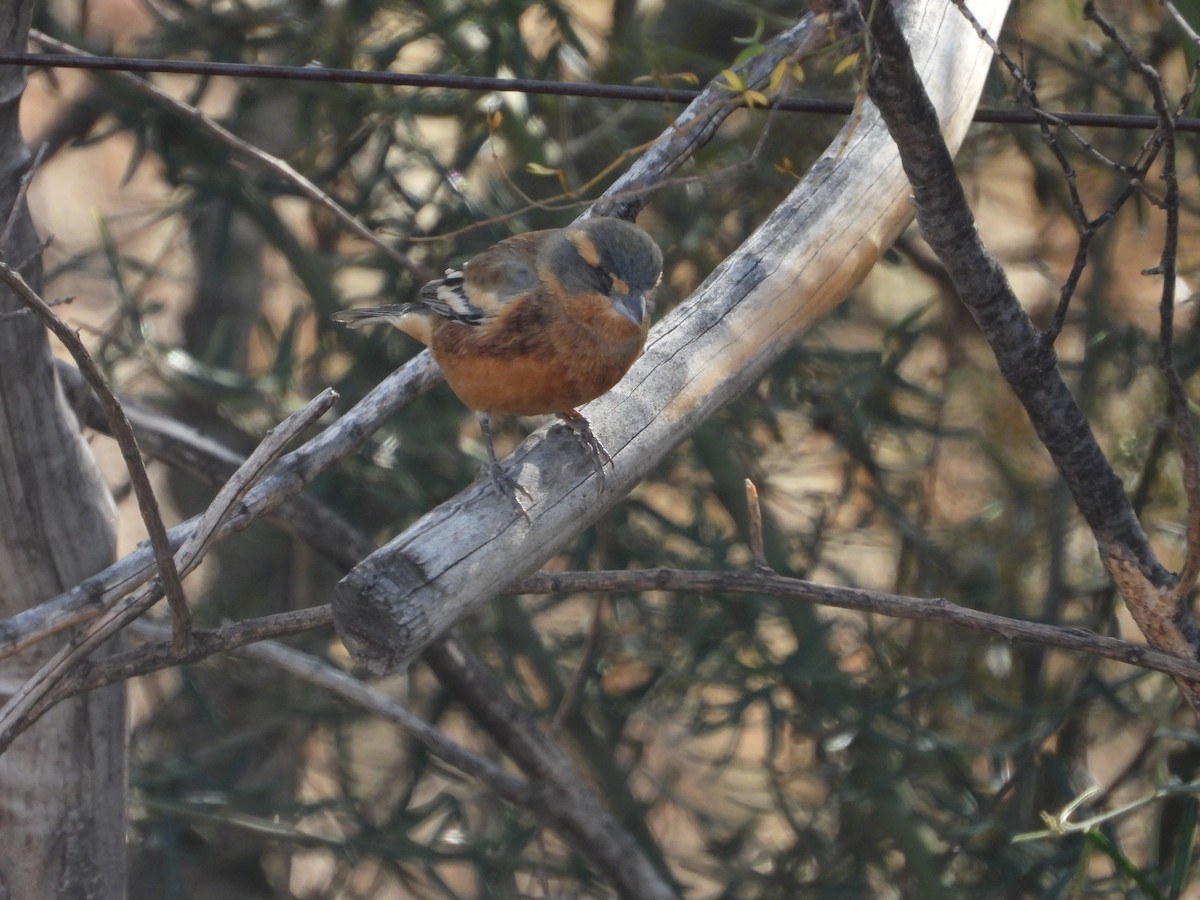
325 676
571 807
209 641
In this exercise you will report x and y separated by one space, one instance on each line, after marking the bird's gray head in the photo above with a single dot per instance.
612 257
622 250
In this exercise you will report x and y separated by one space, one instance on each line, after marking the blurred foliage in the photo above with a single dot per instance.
761 749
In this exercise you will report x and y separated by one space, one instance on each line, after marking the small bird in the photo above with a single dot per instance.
538 323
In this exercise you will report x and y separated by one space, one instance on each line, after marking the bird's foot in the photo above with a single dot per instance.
503 483
506 486
583 432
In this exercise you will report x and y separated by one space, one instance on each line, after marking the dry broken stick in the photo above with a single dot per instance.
123 434
802 261
29 701
295 471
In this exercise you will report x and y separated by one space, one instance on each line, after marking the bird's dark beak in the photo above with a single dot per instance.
632 306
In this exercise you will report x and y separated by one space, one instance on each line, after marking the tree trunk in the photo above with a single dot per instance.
62 784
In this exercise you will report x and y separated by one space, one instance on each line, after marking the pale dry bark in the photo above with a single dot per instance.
62 784
804 260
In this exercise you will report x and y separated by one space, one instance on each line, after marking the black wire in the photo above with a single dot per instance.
529 86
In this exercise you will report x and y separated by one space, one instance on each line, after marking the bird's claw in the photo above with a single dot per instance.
583 433
503 483
506 486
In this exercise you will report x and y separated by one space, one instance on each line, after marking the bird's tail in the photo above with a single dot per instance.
374 315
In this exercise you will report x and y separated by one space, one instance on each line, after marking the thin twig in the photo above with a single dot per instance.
152 658
1061 823
1044 118
754 522
1088 227
1181 21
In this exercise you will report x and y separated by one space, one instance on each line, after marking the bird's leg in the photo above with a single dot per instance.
578 424
504 484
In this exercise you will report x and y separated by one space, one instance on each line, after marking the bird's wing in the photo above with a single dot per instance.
488 283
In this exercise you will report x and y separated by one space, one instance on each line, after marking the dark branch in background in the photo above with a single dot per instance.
573 808
317 671
1026 359
530 86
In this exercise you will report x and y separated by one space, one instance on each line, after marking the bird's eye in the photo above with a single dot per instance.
604 280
